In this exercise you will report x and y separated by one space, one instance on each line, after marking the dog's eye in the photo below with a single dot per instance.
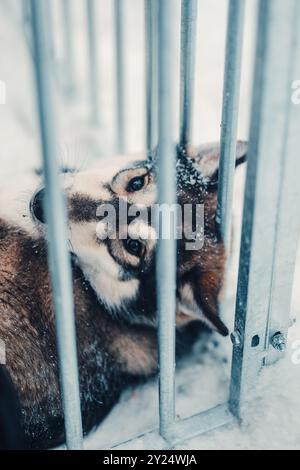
136 184
134 247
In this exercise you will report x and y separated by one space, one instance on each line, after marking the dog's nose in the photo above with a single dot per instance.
37 206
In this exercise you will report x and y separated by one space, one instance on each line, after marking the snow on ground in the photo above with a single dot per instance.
202 380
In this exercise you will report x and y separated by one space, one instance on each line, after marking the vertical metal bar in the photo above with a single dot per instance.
151 7
120 75
69 48
271 108
288 221
25 8
166 255
231 93
187 69
26 14
93 60
59 261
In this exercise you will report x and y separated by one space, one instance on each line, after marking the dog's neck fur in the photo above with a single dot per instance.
110 351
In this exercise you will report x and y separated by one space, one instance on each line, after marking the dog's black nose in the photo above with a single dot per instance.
37 206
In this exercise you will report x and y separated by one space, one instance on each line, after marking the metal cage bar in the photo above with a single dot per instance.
69 48
59 260
91 8
166 253
189 10
151 7
269 174
120 75
288 227
231 93
182 430
26 14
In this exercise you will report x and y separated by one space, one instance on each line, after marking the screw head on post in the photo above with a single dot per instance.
278 342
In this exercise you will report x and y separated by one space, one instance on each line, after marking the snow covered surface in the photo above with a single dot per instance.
203 378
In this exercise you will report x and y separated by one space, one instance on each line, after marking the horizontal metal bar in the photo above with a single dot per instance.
199 424
189 10
266 166
59 259
231 93
166 253
182 430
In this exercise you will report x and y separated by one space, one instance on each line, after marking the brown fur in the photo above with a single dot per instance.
112 349
137 351
109 351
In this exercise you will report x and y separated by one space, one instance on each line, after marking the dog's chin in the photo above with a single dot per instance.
103 274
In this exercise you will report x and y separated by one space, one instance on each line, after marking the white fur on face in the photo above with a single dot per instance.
15 196
99 268
102 272
139 229
90 183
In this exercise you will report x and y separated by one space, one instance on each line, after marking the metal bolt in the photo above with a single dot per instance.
278 342
236 338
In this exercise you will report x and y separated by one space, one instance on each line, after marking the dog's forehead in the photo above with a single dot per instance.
96 181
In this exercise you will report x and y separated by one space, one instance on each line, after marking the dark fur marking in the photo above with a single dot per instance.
82 208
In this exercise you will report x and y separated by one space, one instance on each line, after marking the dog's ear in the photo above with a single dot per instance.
200 281
198 295
201 271
206 159
200 302
206 287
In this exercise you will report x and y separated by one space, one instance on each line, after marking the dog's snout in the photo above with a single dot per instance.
37 206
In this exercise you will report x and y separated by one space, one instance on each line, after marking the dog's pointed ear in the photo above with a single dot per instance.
206 158
207 289
198 296
202 306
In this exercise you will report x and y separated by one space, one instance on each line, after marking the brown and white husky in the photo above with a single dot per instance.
114 288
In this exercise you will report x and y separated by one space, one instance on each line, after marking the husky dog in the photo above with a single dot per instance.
114 291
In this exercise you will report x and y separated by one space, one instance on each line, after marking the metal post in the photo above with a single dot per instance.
231 93
166 255
25 9
151 7
187 68
59 260
273 164
93 60
26 14
69 49
288 221
120 75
